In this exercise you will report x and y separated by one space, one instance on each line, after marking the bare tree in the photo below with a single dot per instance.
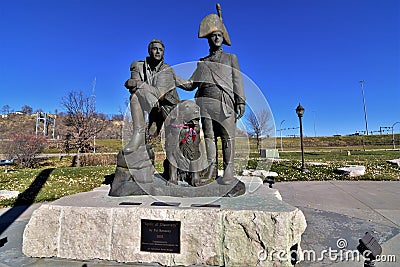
5 109
27 109
82 120
258 124
117 117
26 148
102 116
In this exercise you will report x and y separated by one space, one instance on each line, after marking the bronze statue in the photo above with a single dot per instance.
152 88
220 95
220 101
182 144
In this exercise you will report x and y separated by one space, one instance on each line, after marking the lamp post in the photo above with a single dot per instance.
393 142
281 134
365 107
300 112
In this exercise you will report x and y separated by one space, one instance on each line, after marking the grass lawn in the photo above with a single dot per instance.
342 156
50 183
54 178
375 162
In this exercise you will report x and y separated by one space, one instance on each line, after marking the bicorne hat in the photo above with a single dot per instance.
212 23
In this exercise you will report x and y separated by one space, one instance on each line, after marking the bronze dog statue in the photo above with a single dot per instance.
182 130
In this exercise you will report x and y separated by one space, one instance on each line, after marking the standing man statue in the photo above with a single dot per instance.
152 88
220 95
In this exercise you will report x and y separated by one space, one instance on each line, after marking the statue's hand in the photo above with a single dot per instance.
240 108
186 85
132 85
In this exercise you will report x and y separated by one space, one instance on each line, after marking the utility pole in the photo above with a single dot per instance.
315 128
281 134
94 103
365 106
393 141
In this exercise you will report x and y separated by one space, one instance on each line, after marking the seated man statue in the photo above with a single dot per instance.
152 88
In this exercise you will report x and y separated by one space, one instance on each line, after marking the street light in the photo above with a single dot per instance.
394 146
300 112
365 107
281 134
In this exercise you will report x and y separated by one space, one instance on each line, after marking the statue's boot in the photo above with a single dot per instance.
173 174
212 171
228 157
194 169
196 181
139 126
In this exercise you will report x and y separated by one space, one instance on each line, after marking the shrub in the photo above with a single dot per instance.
25 148
97 159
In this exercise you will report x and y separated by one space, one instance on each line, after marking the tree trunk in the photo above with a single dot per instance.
78 158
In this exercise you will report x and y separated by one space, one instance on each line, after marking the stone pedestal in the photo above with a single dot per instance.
234 231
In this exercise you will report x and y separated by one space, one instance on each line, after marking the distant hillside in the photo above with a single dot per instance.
26 123
21 123
383 141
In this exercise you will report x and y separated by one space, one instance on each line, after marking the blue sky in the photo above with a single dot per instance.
309 51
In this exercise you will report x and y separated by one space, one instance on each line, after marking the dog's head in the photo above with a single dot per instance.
186 112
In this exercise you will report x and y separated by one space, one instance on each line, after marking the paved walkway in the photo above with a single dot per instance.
338 213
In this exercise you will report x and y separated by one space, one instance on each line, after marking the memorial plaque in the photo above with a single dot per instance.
160 236
206 205
166 204
127 203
